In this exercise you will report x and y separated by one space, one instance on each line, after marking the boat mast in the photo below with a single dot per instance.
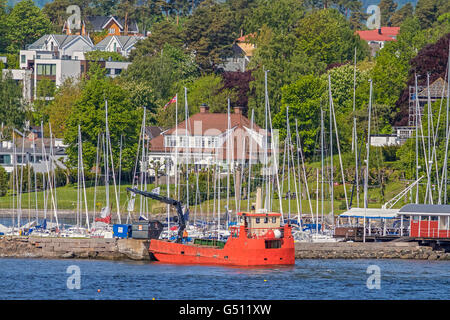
447 130
188 147
228 161
322 133
366 180
417 138
297 140
250 161
82 176
355 134
288 163
109 153
96 176
331 150
266 98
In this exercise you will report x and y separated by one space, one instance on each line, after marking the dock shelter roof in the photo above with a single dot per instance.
370 213
425 209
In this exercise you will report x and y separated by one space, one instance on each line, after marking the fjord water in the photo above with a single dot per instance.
308 279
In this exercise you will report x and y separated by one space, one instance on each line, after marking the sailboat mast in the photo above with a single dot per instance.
188 146
355 134
417 138
366 180
267 140
250 161
322 145
447 130
288 163
331 149
228 161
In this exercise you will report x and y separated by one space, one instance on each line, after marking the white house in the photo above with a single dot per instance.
120 44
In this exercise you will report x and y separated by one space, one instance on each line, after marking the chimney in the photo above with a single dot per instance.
204 108
237 110
379 30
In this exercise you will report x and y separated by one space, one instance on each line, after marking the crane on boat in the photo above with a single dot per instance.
177 204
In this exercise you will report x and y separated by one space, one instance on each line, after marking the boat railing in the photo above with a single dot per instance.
256 233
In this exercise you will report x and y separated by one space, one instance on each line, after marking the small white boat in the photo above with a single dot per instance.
74 232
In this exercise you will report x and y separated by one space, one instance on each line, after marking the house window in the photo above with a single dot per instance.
108 71
198 142
20 159
117 71
22 58
5 159
46 69
112 31
115 47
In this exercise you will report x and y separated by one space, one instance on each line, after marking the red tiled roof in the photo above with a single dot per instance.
246 37
390 31
387 34
212 123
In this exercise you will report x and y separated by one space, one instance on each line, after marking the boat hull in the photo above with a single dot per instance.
237 252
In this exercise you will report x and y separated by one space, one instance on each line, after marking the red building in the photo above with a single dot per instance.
427 220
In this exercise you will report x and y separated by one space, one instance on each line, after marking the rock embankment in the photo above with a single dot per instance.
109 249
368 250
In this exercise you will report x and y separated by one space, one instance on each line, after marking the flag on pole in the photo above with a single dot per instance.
173 100
156 190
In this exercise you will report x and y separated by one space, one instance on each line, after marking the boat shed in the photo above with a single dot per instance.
427 220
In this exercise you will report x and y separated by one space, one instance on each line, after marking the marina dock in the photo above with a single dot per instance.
135 249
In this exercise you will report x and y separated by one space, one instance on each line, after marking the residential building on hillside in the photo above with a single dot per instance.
377 38
36 152
120 44
115 26
209 141
242 52
417 102
57 57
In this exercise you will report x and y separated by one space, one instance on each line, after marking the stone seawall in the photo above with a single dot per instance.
123 249
110 249
368 250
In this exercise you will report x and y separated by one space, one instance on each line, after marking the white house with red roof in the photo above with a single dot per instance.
209 139
376 38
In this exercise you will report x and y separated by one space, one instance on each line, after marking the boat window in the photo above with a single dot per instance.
415 218
257 220
266 220
274 219
434 218
424 218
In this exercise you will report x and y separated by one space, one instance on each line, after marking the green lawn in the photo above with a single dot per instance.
67 199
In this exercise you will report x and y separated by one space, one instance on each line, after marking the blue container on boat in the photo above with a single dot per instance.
122 231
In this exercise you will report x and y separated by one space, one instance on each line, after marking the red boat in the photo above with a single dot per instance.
257 241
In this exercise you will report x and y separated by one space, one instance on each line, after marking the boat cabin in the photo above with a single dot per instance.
259 223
